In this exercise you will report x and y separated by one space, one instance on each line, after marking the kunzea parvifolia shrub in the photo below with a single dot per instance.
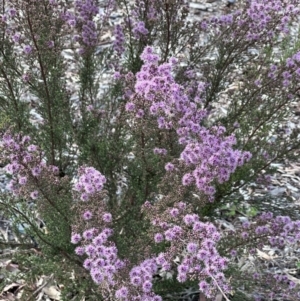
120 149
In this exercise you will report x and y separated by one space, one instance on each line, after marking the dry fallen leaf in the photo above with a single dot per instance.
12 268
265 255
9 297
9 287
52 292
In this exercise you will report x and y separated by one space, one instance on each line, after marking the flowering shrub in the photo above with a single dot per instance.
124 152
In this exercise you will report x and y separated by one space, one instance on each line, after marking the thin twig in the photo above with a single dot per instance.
221 291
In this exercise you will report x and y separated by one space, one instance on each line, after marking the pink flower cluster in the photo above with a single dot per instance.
134 25
288 75
140 30
281 230
208 153
90 182
82 20
25 165
141 283
102 260
119 39
262 20
262 15
195 243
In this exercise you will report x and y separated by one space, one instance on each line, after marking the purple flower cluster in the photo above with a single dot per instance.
119 40
262 21
105 267
25 164
102 260
139 30
208 153
213 158
82 20
141 283
134 24
262 14
291 72
101 254
195 242
90 182
281 230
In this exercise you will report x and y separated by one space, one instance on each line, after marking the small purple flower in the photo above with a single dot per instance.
107 232
130 106
12 168
181 277
27 49
147 286
117 75
12 12
79 251
203 285
34 194
99 263
160 151
244 235
75 238
173 60
202 254
55 170
169 166
169 235
257 83
84 197
286 83
72 22
22 180
246 225
292 285
87 215
187 179
107 217
188 219
174 212
233 253
97 275
16 37
158 237
122 293
36 171
182 269
140 113
87 264
89 189
88 234
199 226
32 148
181 205
136 280
192 247
50 44
90 250
25 77
259 230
